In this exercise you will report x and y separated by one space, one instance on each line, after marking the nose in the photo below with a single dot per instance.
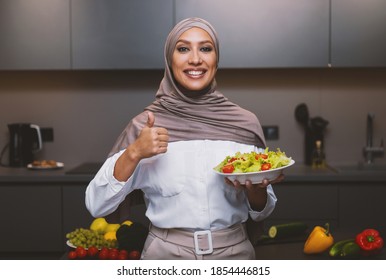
195 57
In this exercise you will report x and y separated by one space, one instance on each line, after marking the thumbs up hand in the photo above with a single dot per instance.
152 140
150 119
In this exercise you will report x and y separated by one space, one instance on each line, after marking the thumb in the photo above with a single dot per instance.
150 119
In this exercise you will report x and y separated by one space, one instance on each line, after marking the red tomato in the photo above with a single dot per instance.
265 166
72 255
113 255
122 257
233 159
134 255
229 168
92 251
263 156
103 255
81 252
124 253
116 250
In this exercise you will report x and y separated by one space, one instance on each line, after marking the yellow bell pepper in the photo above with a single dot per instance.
319 240
110 235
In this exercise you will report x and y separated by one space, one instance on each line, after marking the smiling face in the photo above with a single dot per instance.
194 60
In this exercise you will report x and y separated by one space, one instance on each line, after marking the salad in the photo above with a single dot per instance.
253 162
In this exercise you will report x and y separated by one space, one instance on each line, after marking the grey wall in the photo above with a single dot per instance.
88 109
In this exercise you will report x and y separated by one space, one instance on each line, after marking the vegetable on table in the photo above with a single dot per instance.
350 250
369 241
287 230
336 249
345 249
319 240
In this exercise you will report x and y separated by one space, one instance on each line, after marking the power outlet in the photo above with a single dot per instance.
47 134
271 132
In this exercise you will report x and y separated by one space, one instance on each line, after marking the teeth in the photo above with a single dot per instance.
195 73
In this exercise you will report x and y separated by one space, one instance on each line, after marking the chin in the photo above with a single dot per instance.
196 86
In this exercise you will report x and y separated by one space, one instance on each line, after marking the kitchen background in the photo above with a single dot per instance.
85 68
89 109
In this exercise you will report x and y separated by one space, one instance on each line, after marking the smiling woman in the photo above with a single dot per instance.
169 151
194 62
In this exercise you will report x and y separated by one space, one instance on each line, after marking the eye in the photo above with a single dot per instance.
206 49
182 49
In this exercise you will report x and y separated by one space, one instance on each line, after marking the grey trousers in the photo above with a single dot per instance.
229 244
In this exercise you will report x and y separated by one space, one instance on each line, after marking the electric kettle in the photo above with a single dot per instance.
25 140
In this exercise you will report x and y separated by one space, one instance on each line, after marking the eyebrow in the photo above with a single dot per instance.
189 42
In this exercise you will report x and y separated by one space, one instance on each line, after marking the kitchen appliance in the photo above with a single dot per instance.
24 140
302 116
313 131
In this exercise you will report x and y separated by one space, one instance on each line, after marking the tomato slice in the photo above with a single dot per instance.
232 159
263 156
265 166
229 168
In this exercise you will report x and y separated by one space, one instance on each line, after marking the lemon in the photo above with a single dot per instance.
127 222
110 235
112 227
99 224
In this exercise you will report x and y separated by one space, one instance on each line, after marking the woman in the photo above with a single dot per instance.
169 151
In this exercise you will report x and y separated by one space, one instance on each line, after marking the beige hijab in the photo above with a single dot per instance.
204 115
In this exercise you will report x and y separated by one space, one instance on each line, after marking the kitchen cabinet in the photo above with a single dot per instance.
259 34
75 213
30 218
36 218
34 35
358 31
363 206
120 34
43 206
129 34
314 203
344 205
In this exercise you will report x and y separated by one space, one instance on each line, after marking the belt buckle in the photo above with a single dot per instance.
197 246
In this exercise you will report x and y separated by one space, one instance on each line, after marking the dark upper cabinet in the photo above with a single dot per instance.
261 33
34 34
358 33
120 34
130 34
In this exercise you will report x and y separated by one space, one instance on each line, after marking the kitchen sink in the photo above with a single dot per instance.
360 167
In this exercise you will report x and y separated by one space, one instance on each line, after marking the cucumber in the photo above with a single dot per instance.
287 230
336 249
350 250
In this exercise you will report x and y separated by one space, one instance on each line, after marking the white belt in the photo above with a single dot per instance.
203 241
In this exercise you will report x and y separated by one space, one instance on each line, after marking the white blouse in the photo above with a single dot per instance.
181 189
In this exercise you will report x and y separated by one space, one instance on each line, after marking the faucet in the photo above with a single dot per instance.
370 151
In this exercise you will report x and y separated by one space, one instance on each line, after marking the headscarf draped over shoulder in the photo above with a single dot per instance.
206 115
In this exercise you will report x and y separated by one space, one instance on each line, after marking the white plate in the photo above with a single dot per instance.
256 177
37 167
69 244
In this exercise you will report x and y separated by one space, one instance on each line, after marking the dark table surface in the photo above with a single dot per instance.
293 249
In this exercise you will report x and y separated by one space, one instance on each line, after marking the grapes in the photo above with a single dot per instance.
87 238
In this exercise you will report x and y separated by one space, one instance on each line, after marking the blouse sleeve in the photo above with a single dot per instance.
268 209
104 193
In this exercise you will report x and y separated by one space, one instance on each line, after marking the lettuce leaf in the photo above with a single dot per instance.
252 162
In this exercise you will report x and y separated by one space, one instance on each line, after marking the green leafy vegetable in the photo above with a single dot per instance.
253 162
